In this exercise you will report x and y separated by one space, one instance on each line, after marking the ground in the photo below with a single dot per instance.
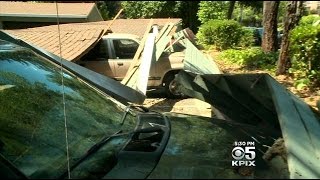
196 107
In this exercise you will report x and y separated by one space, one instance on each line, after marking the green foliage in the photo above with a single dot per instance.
309 20
252 57
209 10
150 9
305 53
188 12
256 5
102 6
282 11
108 9
250 16
224 34
247 38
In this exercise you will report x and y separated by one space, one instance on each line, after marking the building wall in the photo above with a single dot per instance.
94 15
312 5
19 22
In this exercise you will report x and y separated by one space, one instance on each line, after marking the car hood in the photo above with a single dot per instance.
201 147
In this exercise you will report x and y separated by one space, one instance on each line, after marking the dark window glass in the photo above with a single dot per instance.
32 121
98 53
125 48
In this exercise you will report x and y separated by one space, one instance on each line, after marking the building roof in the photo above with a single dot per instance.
78 38
23 9
137 26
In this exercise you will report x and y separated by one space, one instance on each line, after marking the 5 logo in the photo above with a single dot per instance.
243 156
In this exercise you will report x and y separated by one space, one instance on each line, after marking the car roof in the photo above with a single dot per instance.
121 35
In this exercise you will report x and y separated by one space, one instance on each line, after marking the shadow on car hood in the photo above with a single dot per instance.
261 101
201 147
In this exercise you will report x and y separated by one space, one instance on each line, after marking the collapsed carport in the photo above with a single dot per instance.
259 100
255 99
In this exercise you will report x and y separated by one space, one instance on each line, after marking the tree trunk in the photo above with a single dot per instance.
231 8
292 17
270 13
241 11
299 12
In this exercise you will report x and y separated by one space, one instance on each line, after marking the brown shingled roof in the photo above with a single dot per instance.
73 42
137 26
36 8
77 38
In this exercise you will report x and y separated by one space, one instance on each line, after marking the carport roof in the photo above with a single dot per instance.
78 38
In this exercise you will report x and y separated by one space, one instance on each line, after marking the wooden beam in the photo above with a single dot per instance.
164 28
110 23
136 62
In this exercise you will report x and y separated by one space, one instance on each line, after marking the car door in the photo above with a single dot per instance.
123 51
97 59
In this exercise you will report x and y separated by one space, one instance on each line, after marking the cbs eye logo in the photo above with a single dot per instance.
238 153
248 152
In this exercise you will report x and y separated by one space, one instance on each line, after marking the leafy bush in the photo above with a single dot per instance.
223 34
247 38
251 57
309 20
305 54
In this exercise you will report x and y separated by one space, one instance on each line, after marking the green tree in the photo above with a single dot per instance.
282 11
103 9
231 8
187 10
209 10
293 15
108 9
256 5
150 9
249 13
247 16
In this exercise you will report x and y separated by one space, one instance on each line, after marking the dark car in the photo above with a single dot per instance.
55 124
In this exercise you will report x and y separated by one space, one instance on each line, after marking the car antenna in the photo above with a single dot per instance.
63 95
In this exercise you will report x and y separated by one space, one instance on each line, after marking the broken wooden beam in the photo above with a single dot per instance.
136 62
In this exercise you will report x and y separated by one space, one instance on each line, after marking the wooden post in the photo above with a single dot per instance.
135 62
109 25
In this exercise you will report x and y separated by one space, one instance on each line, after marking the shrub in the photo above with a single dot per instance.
305 54
251 57
223 34
247 38
309 20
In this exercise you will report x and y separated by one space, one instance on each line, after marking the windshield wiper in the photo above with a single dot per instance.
128 108
102 142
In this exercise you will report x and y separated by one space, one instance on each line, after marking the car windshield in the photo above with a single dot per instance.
33 132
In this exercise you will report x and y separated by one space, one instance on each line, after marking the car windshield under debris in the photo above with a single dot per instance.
32 119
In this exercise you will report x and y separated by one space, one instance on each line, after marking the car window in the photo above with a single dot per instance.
125 48
32 121
98 52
